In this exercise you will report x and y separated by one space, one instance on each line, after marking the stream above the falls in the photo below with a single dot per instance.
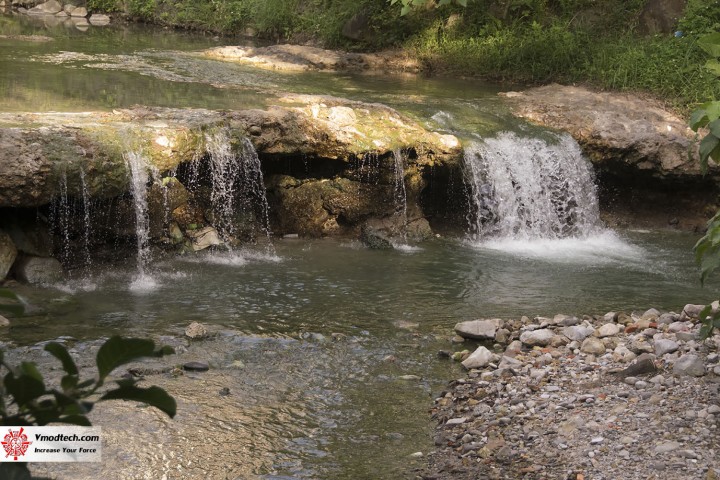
305 404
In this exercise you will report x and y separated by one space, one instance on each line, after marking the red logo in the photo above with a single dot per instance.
15 443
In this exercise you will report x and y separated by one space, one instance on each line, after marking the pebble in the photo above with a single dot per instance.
196 367
612 405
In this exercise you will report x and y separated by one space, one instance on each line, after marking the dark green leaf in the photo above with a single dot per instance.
60 352
462 2
711 44
153 396
69 383
404 10
118 351
707 148
698 119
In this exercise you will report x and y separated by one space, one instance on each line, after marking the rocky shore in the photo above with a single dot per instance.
631 396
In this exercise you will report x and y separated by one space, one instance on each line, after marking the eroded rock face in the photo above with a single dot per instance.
296 58
355 149
645 156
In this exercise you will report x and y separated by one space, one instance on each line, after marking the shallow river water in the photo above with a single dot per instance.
304 403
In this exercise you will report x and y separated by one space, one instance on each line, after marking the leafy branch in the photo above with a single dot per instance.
707 249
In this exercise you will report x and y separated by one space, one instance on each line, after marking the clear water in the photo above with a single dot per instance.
316 408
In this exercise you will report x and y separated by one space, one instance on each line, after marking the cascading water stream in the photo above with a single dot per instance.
400 192
87 225
237 186
139 169
537 197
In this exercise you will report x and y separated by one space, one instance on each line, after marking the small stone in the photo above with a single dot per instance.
608 330
540 338
480 358
456 421
509 362
224 392
610 317
196 331
641 384
690 311
690 365
713 409
4 322
597 441
196 367
667 447
593 345
416 455
577 332
664 346
630 380
643 365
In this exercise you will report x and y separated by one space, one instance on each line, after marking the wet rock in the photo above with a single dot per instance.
37 270
196 367
375 239
480 358
593 345
478 329
196 331
204 238
690 365
540 338
8 254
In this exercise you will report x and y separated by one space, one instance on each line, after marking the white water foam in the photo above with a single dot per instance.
603 248
144 283
405 248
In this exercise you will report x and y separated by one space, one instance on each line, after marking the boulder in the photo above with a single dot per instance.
99 20
204 238
8 254
480 358
690 312
537 338
79 12
38 270
478 329
50 7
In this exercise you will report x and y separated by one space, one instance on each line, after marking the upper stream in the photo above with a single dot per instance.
317 407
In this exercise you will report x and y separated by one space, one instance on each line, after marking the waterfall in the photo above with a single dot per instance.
237 185
87 226
400 192
139 169
529 188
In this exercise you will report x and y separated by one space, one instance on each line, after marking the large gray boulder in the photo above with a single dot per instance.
480 358
537 338
38 270
478 329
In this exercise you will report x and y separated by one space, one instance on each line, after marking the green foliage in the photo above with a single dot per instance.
36 404
707 249
26 400
108 6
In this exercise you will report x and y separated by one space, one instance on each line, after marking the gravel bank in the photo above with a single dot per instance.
605 397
